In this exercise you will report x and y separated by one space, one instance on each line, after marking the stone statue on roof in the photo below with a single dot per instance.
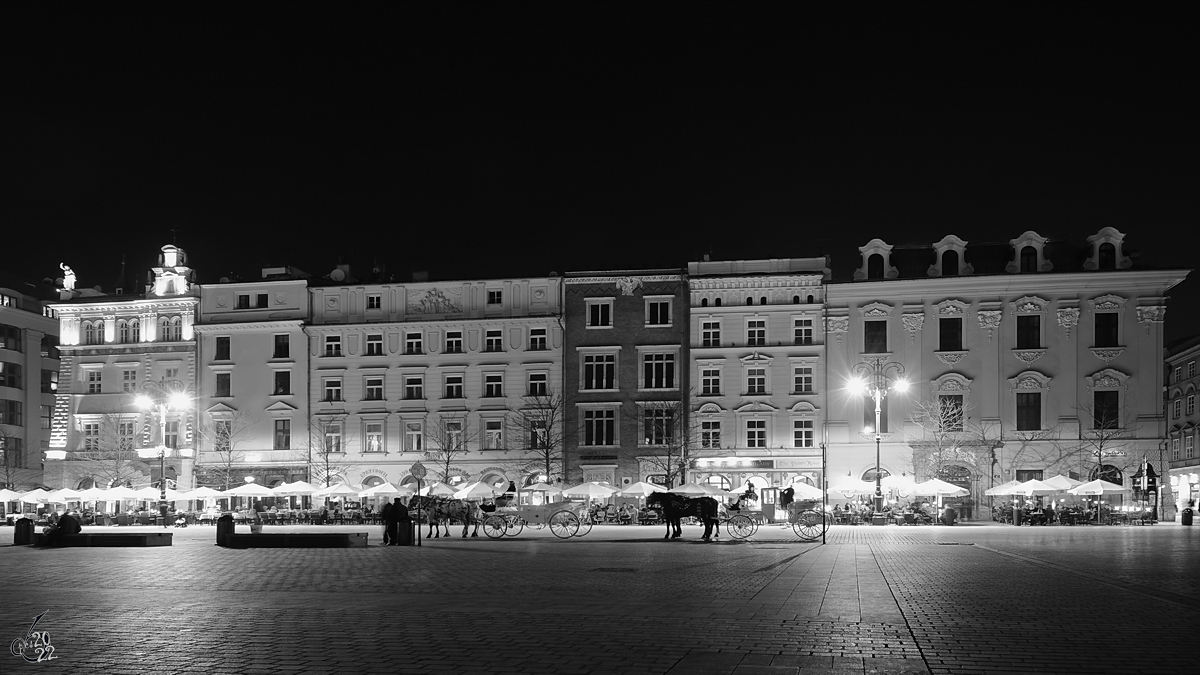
68 277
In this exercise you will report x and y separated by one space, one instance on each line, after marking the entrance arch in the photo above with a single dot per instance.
960 476
1109 473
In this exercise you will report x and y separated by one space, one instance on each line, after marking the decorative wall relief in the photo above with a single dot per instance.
989 320
1151 315
912 324
1068 318
837 325
435 300
629 285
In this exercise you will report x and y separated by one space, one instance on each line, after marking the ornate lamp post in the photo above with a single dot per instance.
874 377
162 396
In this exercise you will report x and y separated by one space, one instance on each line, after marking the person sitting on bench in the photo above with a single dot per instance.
67 524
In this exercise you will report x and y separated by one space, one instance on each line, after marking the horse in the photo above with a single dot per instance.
441 509
676 507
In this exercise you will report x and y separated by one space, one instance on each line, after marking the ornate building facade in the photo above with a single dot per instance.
28 381
1182 484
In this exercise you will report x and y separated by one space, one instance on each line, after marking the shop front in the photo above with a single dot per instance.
1185 485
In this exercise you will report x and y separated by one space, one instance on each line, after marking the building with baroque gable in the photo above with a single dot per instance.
28 381
1027 359
110 345
252 381
624 374
757 369
433 371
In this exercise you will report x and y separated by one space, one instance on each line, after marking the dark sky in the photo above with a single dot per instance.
504 139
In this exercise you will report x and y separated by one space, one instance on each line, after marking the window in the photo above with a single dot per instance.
1029 412
49 381
125 433
94 382
1174 449
243 301
658 312
1191 405
171 373
454 435
412 343
802 377
11 413
128 381
803 331
454 386
123 332
950 412
756 433
373 441
1178 409
495 297
283 383
283 435
875 266
454 342
414 387
262 300
802 434
599 427
222 388
171 440
493 384
47 410
1106 409
756 333
950 334
710 381
93 334
414 437
282 347
756 380
950 264
49 344
1189 446
91 436
10 338
537 384
1178 374
599 371
222 349
170 329
875 337
333 345
1106 329
375 345
373 389
223 435
493 341
333 437
710 434
374 301
537 339
539 437
493 434
658 426
869 415
599 313
1029 332
658 371
1191 371
1029 257
710 332
10 375
333 389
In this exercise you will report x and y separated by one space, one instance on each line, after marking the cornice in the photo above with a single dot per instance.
255 325
483 321
128 306
651 278
752 282
1137 282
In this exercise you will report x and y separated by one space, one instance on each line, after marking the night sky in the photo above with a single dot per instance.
508 139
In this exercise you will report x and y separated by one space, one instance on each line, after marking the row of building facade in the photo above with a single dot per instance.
1026 359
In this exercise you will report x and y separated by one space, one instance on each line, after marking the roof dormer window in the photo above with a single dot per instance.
877 262
948 254
1107 251
1029 254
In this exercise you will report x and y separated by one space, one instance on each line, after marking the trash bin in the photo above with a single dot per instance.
23 534
1185 517
405 531
1018 516
224 528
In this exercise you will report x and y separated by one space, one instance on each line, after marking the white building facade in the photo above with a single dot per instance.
1182 482
28 381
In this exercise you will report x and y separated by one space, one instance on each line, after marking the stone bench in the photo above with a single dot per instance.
106 539
296 540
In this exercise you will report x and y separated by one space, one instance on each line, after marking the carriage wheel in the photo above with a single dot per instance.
809 525
740 527
585 526
494 526
515 525
564 524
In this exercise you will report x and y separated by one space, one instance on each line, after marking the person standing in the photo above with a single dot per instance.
786 497
397 514
384 514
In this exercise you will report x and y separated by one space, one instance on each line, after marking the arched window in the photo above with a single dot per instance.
950 264
810 299
1109 473
869 474
372 481
718 481
93 333
749 301
875 266
762 300
1029 258
135 331
123 332
795 299
1108 257
704 302
718 302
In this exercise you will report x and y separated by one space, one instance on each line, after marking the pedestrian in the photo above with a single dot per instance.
67 524
384 514
397 515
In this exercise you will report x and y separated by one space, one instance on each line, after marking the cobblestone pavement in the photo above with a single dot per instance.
872 600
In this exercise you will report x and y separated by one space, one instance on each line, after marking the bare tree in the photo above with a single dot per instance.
541 432
223 436
946 435
106 451
12 457
327 450
674 438
450 436
1106 441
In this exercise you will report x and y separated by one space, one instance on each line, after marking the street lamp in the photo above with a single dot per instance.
874 377
162 396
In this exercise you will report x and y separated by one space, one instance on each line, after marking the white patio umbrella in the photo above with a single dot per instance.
120 492
37 496
338 490
548 489
202 493
7 495
437 489
1063 482
386 490
689 490
592 489
478 490
95 494
902 483
248 490
63 495
939 488
1002 489
297 489
640 489
803 490
1097 487
851 487
1033 488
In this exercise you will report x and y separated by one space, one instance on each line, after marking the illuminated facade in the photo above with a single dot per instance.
1182 484
28 380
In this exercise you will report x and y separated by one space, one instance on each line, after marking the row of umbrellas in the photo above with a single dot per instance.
934 487
1055 485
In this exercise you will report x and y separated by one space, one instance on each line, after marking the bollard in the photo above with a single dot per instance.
23 534
224 527
406 531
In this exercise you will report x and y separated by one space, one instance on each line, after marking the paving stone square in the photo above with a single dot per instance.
965 599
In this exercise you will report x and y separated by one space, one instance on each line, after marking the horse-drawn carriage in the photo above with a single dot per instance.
565 520
807 520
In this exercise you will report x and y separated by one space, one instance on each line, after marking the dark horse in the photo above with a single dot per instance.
677 507
440 509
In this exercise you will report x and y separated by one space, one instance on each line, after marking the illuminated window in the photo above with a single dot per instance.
454 342
375 345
